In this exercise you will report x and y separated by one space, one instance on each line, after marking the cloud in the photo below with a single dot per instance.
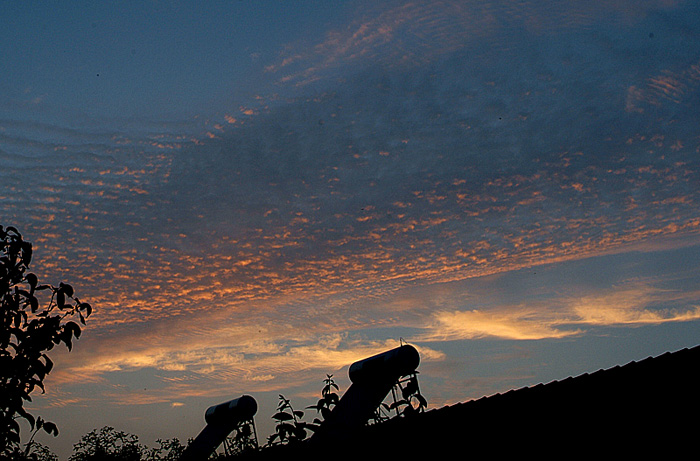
640 305
264 254
189 369
505 324
406 35
628 306
671 85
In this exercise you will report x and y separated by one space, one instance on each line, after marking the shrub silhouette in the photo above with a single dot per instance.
27 332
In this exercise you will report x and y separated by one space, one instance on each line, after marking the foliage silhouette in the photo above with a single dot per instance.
27 332
108 444
329 398
290 427
41 452
111 445
167 450
411 400
34 450
243 439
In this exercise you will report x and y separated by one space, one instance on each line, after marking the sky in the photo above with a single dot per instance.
253 195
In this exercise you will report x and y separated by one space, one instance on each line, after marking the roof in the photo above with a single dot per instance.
647 405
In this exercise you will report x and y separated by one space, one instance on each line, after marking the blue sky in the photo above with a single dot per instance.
143 59
253 195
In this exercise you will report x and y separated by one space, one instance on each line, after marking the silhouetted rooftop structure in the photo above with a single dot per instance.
641 408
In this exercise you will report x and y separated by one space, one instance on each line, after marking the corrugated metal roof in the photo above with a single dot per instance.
641 408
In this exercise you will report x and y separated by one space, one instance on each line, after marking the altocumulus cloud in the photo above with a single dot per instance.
297 218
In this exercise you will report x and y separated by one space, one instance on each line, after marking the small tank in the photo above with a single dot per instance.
391 364
232 412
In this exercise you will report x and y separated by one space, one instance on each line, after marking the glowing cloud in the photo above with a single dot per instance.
633 305
507 324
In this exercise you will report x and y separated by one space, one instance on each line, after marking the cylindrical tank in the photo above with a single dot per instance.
391 365
232 412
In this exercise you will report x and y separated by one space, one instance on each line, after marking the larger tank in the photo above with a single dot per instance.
391 365
232 412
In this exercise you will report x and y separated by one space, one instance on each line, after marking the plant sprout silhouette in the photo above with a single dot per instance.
329 398
290 427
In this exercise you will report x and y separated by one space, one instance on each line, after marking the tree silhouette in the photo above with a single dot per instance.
108 444
167 450
27 332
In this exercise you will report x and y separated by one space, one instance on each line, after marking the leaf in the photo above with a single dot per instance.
286 428
65 288
316 407
313 426
282 416
32 281
86 307
300 432
325 412
23 413
14 428
409 410
26 253
74 328
298 413
50 428
67 338
49 364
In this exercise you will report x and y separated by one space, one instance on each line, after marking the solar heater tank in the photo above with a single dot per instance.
388 365
222 419
372 380
232 412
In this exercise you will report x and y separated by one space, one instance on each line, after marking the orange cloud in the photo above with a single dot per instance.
631 305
